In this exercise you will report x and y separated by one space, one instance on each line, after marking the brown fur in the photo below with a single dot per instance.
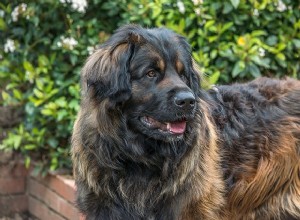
268 187
241 148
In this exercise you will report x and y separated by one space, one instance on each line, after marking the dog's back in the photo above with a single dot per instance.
259 125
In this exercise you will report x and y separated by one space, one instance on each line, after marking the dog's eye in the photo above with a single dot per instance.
151 74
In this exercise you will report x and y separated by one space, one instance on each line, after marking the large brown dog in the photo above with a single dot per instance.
149 143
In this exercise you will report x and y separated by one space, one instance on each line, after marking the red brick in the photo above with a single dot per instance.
13 203
11 185
63 186
53 200
41 211
13 170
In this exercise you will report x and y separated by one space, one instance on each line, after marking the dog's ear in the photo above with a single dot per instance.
106 72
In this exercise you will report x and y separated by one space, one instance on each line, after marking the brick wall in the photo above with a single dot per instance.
48 198
13 196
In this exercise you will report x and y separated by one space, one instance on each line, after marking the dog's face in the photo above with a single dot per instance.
148 76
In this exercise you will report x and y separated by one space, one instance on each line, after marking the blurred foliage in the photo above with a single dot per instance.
43 45
231 39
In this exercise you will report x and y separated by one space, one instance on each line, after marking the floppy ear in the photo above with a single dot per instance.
106 72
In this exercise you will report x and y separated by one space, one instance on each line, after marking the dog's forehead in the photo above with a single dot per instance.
158 57
162 50
163 41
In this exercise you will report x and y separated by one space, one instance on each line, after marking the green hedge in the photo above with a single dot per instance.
43 45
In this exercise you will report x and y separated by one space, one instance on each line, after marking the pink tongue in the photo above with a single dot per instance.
177 127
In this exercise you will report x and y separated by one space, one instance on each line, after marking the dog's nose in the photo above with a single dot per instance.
185 100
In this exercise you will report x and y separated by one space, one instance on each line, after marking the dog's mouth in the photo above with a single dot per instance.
176 127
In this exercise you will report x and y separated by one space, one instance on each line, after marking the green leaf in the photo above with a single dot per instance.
212 38
47 112
30 147
54 163
38 93
213 79
36 102
73 59
5 96
296 42
260 61
280 56
61 114
61 102
227 8
235 3
258 33
254 70
272 40
28 66
209 24
43 61
17 94
156 10
213 54
39 83
2 24
17 141
27 162
74 104
52 142
238 68
226 27
281 46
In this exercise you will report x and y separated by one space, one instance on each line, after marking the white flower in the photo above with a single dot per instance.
78 5
255 12
15 14
197 11
281 6
9 46
261 52
197 2
29 76
68 43
1 13
17 11
91 49
181 7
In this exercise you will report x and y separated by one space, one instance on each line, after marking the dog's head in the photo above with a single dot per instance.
148 75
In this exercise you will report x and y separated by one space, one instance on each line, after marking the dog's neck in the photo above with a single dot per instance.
149 170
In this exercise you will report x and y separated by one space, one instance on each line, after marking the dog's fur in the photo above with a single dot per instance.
238 157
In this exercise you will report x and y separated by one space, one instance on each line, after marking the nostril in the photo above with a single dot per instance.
180 102
192 102
184 99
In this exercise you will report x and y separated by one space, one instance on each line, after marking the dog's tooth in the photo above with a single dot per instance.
168 126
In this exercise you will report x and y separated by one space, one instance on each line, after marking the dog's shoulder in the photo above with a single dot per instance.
259 129
262 94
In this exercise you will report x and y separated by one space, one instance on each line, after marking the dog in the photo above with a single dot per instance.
150 143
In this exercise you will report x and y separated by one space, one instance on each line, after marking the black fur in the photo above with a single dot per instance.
129 164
